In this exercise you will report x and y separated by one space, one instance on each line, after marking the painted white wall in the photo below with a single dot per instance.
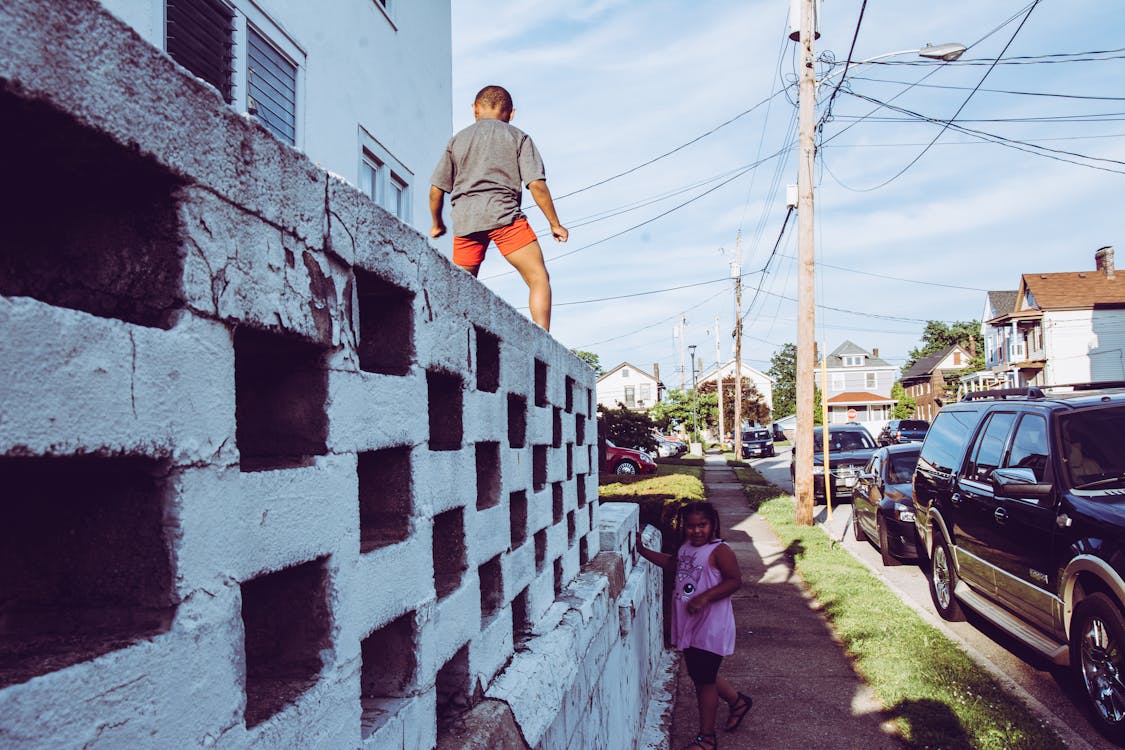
611 388
386 74
1084 346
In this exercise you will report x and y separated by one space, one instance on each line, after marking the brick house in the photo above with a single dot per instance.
629 385
859 386
925 380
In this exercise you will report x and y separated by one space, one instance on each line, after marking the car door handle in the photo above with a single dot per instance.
955 498
1001 515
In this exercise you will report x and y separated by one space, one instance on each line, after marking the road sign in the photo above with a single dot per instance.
851 413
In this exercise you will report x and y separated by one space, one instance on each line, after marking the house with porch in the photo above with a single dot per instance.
750 376
1060 328
859 386
925 381
628 384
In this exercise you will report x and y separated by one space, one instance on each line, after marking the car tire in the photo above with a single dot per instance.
857 530
772 452
626 467
943 579
889 560
1097 646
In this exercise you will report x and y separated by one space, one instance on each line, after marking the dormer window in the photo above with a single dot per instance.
853 360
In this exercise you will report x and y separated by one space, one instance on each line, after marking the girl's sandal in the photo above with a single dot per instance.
703 742
738 712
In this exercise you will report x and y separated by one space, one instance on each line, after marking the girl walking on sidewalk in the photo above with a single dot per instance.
702 615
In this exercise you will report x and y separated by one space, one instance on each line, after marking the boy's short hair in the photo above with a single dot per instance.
494 97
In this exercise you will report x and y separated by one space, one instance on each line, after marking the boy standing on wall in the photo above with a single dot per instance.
484 169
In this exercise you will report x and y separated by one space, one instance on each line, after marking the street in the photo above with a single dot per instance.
1049 689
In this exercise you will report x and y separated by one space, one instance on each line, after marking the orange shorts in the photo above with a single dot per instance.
469 250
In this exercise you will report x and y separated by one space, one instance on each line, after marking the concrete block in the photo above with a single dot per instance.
370 411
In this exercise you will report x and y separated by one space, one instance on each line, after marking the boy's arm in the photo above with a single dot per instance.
542 196
437 200
723 559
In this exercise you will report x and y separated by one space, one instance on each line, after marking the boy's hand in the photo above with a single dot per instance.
559 232
437 230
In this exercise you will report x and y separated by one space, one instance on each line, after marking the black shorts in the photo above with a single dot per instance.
702 666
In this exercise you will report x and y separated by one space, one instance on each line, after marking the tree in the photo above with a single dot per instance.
937 336
754 408
627 428
672 411
591 359
783 370
904 409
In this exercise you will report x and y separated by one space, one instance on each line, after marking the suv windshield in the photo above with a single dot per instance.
1091 445
850 440
756 435
913 424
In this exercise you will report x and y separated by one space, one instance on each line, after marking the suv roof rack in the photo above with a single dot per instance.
1030 391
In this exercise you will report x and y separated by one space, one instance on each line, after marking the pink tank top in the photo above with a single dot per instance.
711 629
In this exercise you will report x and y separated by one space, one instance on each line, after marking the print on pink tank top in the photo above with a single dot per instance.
712 628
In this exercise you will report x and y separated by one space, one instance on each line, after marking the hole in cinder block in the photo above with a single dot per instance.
589 401
540 383
491 589
570 461
569 394
89 224
287 624
558 570
556 428
453 690
580 485
570 529
517 421
387 670
488 475
386 325
538 467
446 411
583 551
385 497
449 551
521 623
488 361
556 502
590 507
280 391
580 429
84 561
517 516
540 549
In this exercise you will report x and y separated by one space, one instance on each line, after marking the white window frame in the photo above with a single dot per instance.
387 173
871 380
247 15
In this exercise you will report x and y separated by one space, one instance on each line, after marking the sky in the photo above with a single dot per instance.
904 232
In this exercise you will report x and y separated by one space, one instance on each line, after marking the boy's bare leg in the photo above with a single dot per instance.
528 260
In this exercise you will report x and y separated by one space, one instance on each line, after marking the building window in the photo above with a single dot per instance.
271 83
646 392
630 400
871 381
853 360
384 178
625 372
199 34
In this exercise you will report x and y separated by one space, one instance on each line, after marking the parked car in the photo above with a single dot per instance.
757 442
903 431
849 448
883 502
1020 504
667 447
777 432
628 460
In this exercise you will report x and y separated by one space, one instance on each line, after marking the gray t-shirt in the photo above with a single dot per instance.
484 169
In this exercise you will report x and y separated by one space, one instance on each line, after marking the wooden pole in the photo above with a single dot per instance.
806 303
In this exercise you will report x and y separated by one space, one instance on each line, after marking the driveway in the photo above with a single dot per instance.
1047 689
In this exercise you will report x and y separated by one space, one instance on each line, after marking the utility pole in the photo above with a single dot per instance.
719 372
683 321
806 303
736 271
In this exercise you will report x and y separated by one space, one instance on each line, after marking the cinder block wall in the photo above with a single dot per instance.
274 473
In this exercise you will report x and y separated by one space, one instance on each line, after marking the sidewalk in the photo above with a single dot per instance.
806 694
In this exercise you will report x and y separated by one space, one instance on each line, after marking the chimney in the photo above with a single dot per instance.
656 371
1103 261
875 353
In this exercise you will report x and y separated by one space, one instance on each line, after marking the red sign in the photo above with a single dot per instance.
851 413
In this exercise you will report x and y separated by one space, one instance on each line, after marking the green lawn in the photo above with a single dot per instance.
938 696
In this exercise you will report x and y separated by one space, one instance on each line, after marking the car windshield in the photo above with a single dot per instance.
913 424
852 440
1091 445
900 467
756 435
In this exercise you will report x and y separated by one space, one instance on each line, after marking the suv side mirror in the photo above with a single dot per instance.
1019 482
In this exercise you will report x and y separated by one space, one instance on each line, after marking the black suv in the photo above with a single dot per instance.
849 448
903 431
1020 504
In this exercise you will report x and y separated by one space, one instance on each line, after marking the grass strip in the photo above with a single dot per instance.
938 696
658 496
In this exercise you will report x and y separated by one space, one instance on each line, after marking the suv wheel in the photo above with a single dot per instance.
625 467
943 579
889 560
1097 638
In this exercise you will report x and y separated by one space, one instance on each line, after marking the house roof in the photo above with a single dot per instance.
1072 290
1002 302
835 359
860 397
925 367
747 371
639 371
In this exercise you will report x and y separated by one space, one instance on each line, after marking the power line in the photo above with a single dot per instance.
847 63
1084 97
893 278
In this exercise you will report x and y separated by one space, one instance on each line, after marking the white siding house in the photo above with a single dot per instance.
757 378
859 386
363 87
629 385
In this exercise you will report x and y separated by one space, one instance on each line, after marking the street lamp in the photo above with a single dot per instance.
694 398
806 274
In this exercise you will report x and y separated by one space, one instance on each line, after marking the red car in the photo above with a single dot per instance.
627 460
